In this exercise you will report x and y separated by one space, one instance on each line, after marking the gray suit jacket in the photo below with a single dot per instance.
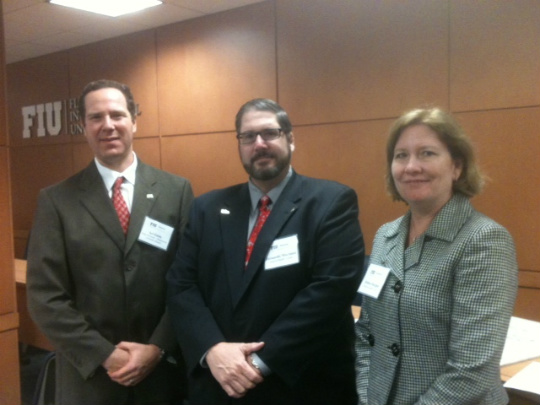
90 287
436 333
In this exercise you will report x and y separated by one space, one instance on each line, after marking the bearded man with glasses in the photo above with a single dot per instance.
261 289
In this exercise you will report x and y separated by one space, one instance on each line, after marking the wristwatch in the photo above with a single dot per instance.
254 363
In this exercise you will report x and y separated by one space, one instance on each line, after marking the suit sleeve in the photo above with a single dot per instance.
193 322
163 336
320 310
364 337
363 354
485 289
50 293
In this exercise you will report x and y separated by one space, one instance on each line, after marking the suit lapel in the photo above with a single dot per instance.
95 199
285 207
145 195
395 242
275 222
234 217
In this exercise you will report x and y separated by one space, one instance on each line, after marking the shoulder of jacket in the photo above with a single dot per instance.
161 175
327 184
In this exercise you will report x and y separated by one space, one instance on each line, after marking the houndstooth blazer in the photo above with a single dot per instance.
436 333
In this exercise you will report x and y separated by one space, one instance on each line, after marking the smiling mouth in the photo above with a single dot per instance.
415 181
261 157
110 139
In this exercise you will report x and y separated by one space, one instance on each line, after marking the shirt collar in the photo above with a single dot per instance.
109 176
255 193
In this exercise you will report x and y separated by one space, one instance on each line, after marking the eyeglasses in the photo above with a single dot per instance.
268 134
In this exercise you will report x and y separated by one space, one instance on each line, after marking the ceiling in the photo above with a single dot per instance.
35 27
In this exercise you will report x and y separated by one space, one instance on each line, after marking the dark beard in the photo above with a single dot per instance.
268 173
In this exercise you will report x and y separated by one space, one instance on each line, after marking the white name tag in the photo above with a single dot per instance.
374 280
155 233
283 252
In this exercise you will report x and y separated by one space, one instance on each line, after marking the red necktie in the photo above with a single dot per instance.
120 204
264 212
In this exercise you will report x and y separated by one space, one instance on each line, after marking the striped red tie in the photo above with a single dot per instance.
264 212
120 204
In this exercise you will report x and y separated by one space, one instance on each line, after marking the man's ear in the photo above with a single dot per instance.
291 141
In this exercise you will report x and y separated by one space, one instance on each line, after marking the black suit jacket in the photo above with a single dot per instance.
90 287
302 311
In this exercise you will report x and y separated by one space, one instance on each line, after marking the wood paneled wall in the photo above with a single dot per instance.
343 70
10 392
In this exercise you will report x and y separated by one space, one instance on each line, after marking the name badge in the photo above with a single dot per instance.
374 280
283 252
155 233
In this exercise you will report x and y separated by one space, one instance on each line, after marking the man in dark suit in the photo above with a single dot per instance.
96 290
270 324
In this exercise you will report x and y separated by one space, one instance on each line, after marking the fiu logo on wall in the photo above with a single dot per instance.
51 119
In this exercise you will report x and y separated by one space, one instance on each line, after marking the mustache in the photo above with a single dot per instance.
262 154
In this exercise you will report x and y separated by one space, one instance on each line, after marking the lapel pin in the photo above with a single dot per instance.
225 211
149 196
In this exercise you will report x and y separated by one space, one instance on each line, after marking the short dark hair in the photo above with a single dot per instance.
450 133
108 84
265 104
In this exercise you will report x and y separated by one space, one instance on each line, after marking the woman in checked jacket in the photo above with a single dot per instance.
435 332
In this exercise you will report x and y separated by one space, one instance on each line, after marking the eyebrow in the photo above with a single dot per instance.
114 112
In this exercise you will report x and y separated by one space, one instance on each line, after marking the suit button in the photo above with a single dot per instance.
130 266
371 339
395 349
397 287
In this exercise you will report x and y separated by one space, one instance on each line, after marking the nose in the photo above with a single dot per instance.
260 142
412 165
108 122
